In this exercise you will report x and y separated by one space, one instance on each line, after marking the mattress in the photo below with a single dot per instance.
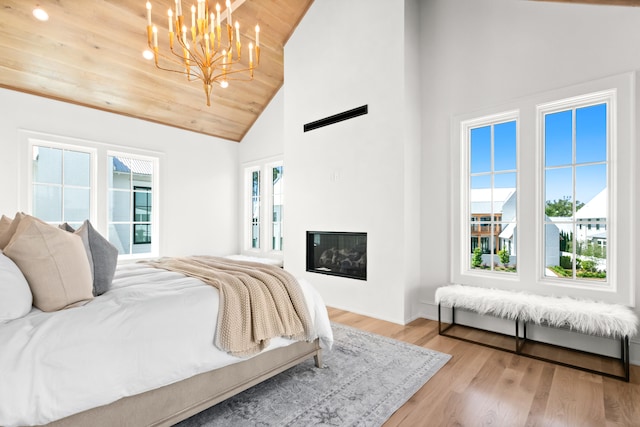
152 328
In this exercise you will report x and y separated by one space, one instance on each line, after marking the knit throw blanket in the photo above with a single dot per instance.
257 301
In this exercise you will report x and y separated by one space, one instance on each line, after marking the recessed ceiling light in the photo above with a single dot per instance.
40 14
147 54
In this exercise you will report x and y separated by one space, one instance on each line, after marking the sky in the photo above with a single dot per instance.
589 154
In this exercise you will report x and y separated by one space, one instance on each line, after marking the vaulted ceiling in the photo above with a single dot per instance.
90 53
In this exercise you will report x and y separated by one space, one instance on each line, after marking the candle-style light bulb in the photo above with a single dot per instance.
170 15
257 35
149 13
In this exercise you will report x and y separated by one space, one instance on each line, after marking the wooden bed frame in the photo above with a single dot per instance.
173 403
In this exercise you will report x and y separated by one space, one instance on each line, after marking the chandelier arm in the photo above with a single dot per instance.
177 63
223 75
184 73
194 55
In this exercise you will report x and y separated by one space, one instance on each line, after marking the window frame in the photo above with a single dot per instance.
264 166
155 215
622 185
466 215
608 97
269 193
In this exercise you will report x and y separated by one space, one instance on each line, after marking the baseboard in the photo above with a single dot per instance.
429 310
368 314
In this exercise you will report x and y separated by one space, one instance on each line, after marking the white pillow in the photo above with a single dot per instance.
15 294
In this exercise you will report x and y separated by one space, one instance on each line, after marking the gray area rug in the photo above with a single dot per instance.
366 378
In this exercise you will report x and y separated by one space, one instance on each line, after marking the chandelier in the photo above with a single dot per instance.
199 52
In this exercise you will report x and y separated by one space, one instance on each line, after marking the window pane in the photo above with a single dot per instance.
558 250
119 206
507 246
478 260
47 165
120 237
481 149
559 192
481 181
505 146
141 234
558 146
591 134
142 205
47 202
76 204
120 176
590 182
76 168
504 196
591 260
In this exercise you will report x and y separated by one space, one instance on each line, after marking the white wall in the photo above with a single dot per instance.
351 176
266 137
198 182
479 54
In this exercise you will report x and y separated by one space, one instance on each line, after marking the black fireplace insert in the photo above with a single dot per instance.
337 253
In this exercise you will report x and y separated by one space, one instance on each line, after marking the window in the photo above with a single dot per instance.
130 185
277 206
576 203
61 184
73 180
491 144
570 160
255 209
264 207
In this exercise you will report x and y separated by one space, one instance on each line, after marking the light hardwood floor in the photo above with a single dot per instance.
480 386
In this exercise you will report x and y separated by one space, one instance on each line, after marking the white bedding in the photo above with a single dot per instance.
132 339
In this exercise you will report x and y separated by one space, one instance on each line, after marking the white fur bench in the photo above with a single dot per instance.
584 316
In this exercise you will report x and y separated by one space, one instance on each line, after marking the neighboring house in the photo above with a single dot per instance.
485 205
591 220
504 234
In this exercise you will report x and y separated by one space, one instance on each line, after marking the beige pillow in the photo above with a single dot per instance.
10 230
54 263
5 223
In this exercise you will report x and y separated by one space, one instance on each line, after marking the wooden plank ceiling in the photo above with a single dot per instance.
90 53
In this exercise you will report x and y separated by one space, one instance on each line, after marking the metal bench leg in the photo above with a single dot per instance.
441 331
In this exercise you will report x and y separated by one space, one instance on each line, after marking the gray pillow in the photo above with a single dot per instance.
103 256
84 235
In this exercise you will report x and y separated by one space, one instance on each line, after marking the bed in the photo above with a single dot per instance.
142 353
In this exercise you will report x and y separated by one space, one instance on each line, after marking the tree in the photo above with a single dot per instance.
561 207
504 256
476 260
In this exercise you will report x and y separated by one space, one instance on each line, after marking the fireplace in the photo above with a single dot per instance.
337 253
